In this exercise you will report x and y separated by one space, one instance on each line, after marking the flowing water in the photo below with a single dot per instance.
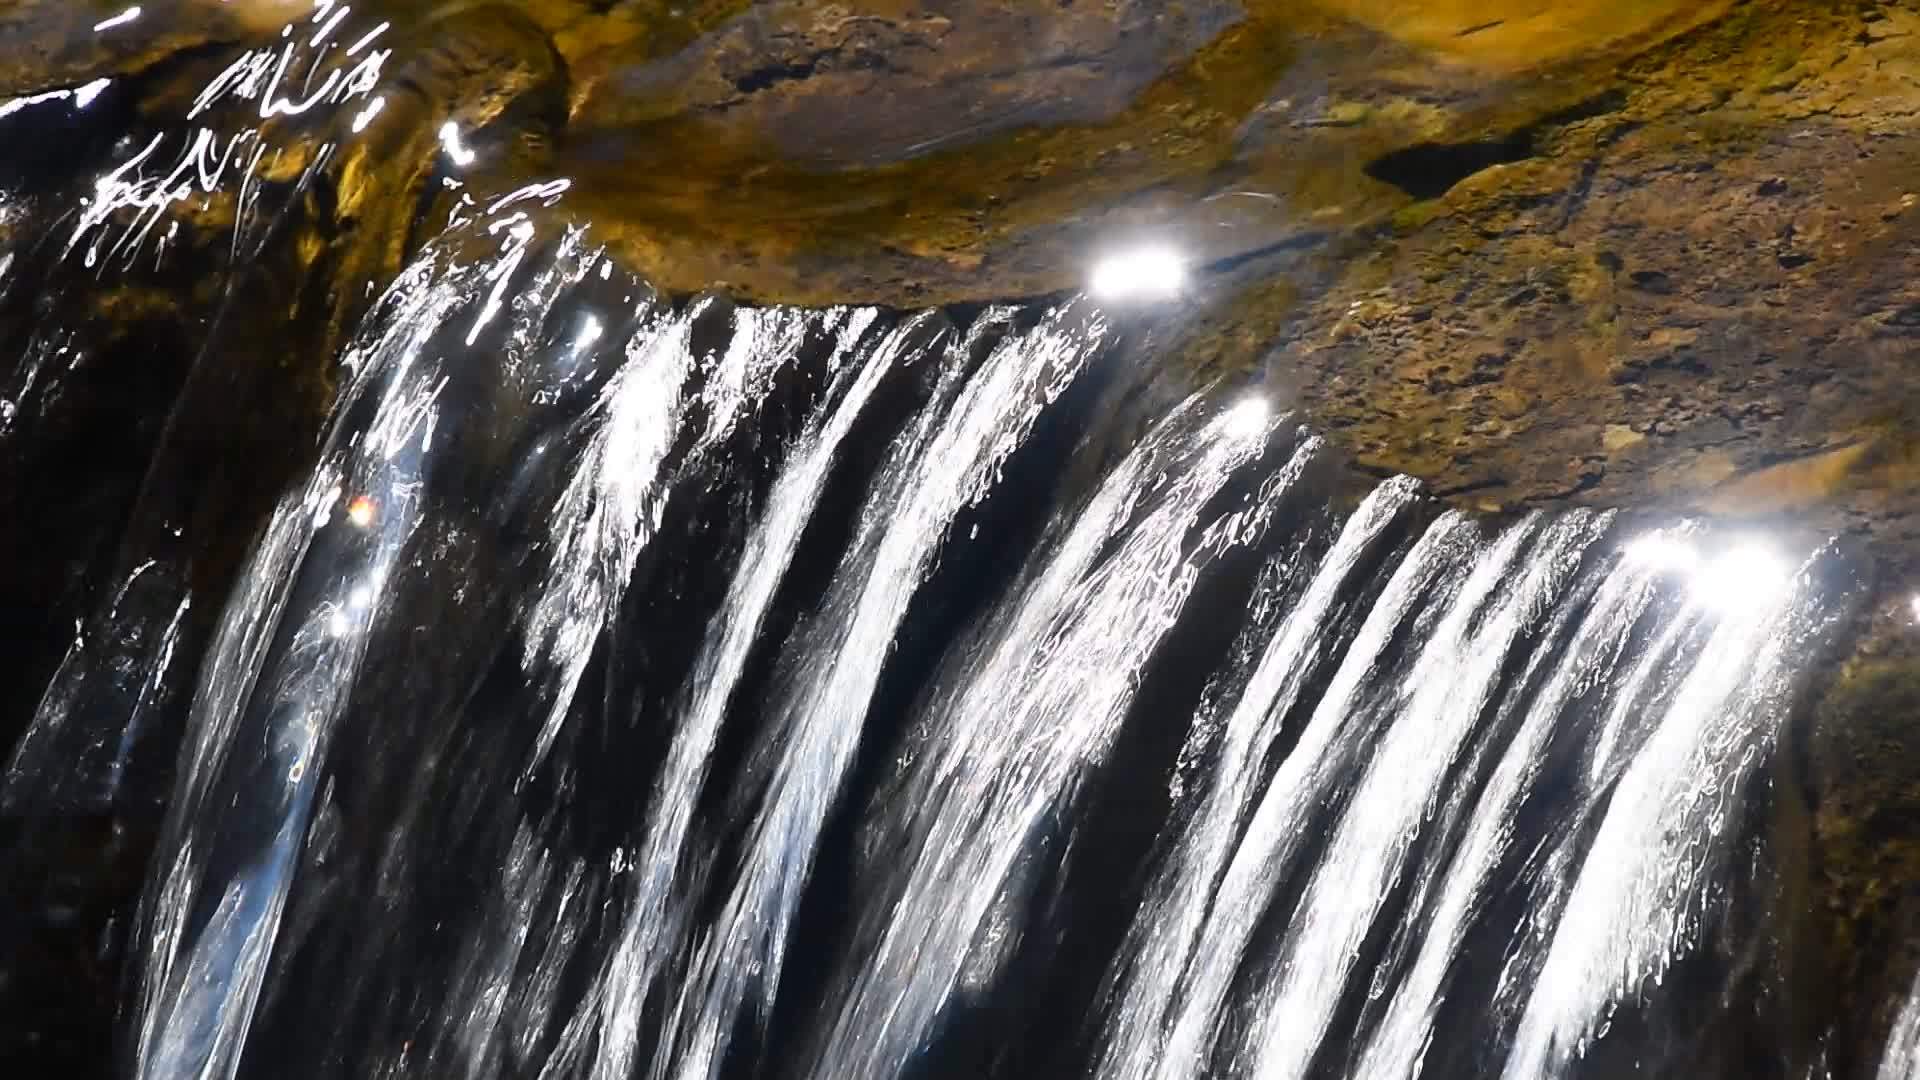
619 685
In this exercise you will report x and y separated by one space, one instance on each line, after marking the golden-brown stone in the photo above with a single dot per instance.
1518 35
1658 251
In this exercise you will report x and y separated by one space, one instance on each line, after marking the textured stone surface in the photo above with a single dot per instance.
1691 288
1860 764
48 44
947 150
1629 254
1699 295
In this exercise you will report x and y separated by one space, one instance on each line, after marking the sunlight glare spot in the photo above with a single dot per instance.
367 114
1661 552
1747 576
121 19
456 150
589 333
1248 419
1140 274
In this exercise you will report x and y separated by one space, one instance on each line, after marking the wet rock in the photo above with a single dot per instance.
1861 762
1618 437
49 44
978 149
1662 292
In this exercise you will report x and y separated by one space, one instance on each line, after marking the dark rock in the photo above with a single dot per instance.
1862 779
1652 281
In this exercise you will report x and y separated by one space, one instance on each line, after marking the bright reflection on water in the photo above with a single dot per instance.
1741 574
81 96
1144 274
1248 419
121 19
368 114
1746 576
457 151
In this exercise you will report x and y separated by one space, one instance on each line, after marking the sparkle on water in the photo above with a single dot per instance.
1139 274
1745 574
456 150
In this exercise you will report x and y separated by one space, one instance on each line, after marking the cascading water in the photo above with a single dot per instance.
623 685
1901 1057
1031 707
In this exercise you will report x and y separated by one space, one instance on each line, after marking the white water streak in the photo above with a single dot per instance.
636 962
1013 738
1397 1048
609 511
275 684
817 725
1335 738
1645 882
1456 679
1161 942
1901 1059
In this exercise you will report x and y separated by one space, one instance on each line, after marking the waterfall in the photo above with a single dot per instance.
950 463
1161 945
637 961
333 556
1030 709
587 682
1900 1060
